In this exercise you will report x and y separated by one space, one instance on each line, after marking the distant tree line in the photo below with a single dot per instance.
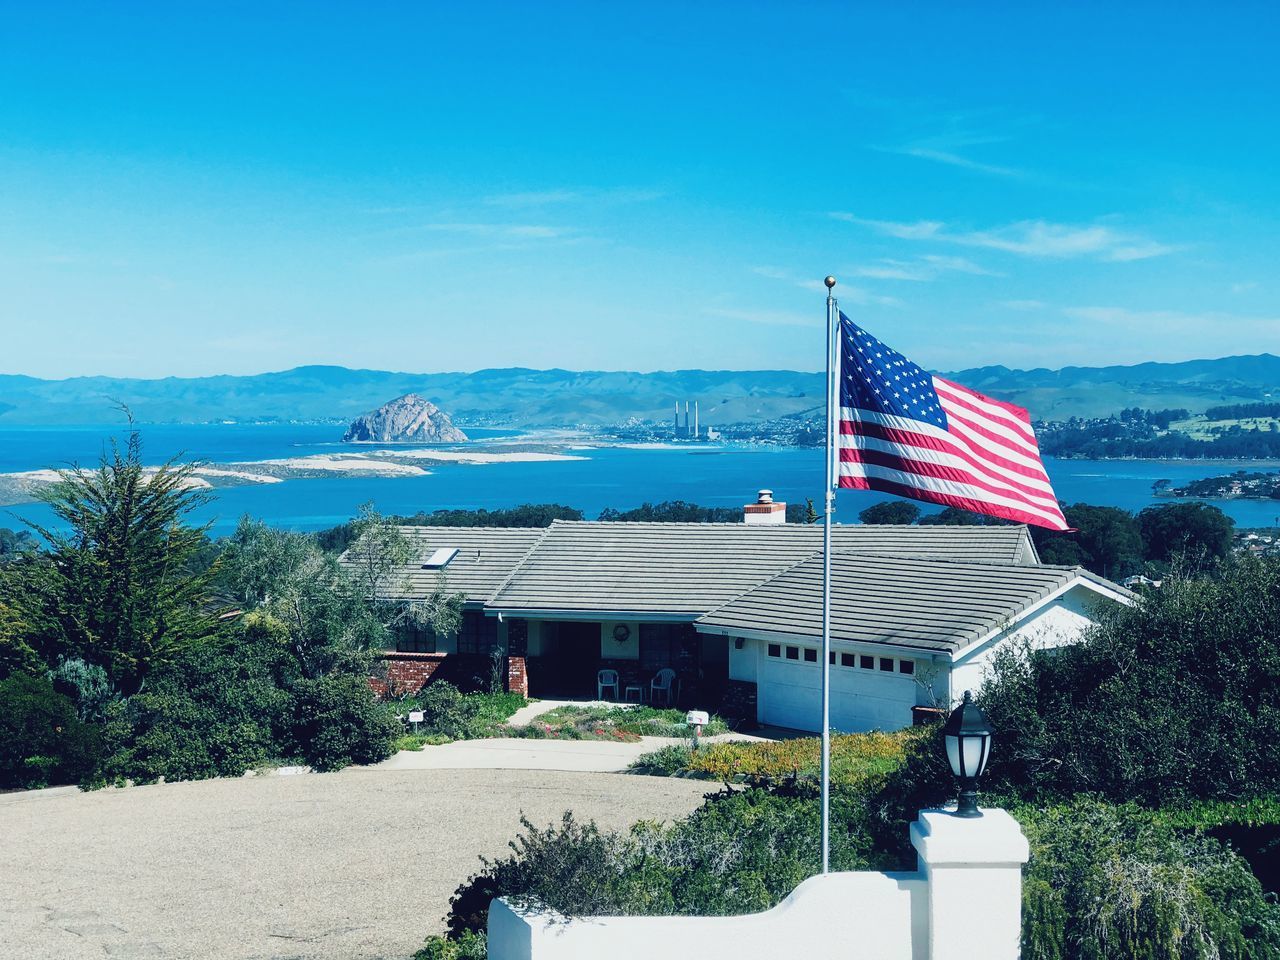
336 539
1135 433
1109 541
1243 411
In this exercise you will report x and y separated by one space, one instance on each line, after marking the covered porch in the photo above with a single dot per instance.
565 658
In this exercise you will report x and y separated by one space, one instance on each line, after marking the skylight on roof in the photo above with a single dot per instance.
439 559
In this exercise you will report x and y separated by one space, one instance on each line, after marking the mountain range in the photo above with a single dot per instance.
554 398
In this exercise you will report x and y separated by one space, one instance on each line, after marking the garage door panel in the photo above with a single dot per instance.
861 700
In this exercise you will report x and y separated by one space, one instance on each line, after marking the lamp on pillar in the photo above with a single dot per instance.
968 738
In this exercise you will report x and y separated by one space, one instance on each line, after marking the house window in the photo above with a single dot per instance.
662 645
793 653
415 638
846 660
833 658
810 655
478 634
867 663
907 666
886 663
775 650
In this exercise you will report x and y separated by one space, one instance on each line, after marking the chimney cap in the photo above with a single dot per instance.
764 496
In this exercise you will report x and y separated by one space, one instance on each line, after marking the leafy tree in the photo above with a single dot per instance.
898 512
1197 530
340 538
378 550
674 511
302 593
14 544
1107 540
955 517
124 588
42 741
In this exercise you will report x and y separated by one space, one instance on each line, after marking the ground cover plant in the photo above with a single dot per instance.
449 714
620 723
856 759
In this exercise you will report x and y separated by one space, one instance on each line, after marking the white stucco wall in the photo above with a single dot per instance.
1062 621
742 663
964 901
611 649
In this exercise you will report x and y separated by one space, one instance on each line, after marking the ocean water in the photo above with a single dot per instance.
609 477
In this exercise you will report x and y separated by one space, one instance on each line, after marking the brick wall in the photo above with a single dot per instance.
406 673
518 676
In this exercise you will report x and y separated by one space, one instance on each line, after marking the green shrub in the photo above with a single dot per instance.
1174 699
336 721
469 946
216 712
452 715
1107 881
741 852
671 761
87 684
42 740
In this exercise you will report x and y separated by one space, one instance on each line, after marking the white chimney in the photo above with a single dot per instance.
765 510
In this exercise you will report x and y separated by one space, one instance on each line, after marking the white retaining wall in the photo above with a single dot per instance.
964 901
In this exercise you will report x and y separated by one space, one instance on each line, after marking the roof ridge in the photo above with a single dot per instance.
519 563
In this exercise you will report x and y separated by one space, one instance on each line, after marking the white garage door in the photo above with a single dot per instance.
868 692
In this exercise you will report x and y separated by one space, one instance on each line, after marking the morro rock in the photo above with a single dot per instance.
408 419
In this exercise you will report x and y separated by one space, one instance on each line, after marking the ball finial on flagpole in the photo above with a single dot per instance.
830 282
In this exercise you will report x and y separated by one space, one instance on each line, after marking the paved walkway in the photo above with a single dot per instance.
510 753
355 865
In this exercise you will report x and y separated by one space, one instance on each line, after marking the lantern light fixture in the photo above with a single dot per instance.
968 739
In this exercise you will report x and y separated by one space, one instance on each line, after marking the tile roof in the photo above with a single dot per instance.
936 605
688 569
486 556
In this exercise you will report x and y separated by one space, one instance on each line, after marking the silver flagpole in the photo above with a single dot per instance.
833 367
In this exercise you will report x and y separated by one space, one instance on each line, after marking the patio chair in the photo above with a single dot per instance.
663 686
607 680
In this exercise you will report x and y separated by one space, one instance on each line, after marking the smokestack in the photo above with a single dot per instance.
686 418
695 419
675 424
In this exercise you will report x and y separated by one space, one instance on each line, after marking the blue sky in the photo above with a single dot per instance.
190 189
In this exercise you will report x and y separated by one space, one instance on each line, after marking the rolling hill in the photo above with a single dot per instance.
546 398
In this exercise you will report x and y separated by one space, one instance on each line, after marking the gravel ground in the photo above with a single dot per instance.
350 866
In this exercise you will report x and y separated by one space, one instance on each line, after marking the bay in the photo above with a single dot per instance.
621 477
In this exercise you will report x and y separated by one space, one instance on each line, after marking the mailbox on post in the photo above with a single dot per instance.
697 719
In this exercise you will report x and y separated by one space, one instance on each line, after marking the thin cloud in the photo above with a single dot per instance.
770 318
1039 239
520 231
590 195
1175 321
952 159
923 270
859 295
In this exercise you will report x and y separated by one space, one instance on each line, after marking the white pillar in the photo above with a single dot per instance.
973 869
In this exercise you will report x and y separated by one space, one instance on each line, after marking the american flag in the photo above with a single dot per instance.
907 432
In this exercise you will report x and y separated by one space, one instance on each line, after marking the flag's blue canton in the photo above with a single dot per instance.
873 377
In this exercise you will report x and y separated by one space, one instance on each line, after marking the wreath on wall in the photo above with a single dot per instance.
622 633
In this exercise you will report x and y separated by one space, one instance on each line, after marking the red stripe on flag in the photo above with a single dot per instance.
961 420
930 442
945 499
939 471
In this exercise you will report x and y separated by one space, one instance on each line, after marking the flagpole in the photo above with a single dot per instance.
829 508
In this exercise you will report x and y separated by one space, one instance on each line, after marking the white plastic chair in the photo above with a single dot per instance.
663 684
607 680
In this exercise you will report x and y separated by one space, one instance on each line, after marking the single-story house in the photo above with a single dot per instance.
733 609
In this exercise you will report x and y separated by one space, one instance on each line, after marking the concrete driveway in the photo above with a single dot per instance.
348 866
